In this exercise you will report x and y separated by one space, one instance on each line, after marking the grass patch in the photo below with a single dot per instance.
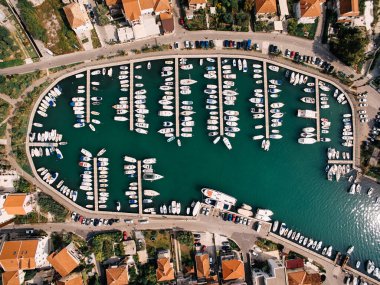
263 26
302 30
95 39
31 218
4 110
14 85
156 241
49 205
198 22
19 122
267 245
186 241
23 186
11 63
103 245
63 67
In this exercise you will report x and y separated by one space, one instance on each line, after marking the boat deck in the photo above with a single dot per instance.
317 105
176 94
131 110
96 197
220 92
139 186
88 95
266 105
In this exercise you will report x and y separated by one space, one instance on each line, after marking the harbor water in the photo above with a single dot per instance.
290 179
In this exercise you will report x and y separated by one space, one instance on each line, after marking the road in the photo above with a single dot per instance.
301 45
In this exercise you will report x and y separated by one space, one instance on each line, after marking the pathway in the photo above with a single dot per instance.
88 96
266 104
131 98
139 187
317 106
220 98
176 94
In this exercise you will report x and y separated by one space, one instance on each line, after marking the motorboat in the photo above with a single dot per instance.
151 193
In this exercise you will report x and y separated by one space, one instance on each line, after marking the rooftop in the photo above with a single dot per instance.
63 262
294 263
349 8
310 8
303 278
202 263
14 204
11 278
74 15
117 276
72 279
17 255
165 271
265 6
232 269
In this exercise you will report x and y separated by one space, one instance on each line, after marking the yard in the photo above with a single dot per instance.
302 30
186 242
47 22
157 240
267 245
106 245
198 22
49 205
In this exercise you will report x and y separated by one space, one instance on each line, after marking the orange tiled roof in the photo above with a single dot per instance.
203 266
232 269
63 262
74 15
117 276
266 6
16 255
132 10
10 278
165 271
349 8
161 5
13 204
310 8
303 278
73 279
110 3
195 2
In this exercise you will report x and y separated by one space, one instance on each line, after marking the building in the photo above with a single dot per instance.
265 6
65 261
13 277
232 269
303 278
203 272
167 23
117 275
7 177
78 19
165 270
14 204
197 4
276 276
72 279
347 10
23 254
294 263
308 10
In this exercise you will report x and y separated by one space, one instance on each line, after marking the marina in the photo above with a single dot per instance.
289 177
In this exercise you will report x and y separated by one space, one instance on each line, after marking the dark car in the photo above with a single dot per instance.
237 220
197 44
330 69
270 48
206 44
225 216
229 217
317 61
324 64
225 43
181 21
287 53
238 45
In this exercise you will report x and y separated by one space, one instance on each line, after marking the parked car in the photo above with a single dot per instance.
187 44
143 221
125 235
287 53
176 45
363 100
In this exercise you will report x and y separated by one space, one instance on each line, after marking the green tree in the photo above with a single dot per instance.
248 5
32 20
227 18
234 6
349 44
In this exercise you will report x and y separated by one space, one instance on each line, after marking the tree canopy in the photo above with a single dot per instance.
349 45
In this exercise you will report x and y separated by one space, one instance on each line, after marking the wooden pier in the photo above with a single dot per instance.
266 105
340 161
131 87
220 92
317 103
139 186
176 99
43 144
88 95
96 197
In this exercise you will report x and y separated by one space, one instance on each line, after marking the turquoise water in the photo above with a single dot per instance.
289 179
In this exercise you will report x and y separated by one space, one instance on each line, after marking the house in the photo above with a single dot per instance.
167 23
197 4
165 270
13 277
65 261
72 279
308 10
77 17
202 264
232 269
276 275
303 278
294 263
347 10
14 204
117 275
265 6
24 254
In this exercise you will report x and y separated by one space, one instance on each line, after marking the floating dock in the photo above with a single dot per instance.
340 161
131 109
317 102
176 94
96 197
220 92
266 105
88 95
139 186
43 144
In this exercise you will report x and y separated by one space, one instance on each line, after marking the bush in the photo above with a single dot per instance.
31 218
32 20
23 186
49 205
14 85
102 245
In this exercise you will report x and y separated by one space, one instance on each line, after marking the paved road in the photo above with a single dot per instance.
304 46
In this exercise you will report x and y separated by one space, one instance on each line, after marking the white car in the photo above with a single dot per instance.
364 121
363 116
362 100
128 221
363 105
144 221
187 44
362 112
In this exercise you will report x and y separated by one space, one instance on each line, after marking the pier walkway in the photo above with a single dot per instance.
176 94
43 144
317 105
139 186
220 92
266 105
88 99
340 161
96 197
131 111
